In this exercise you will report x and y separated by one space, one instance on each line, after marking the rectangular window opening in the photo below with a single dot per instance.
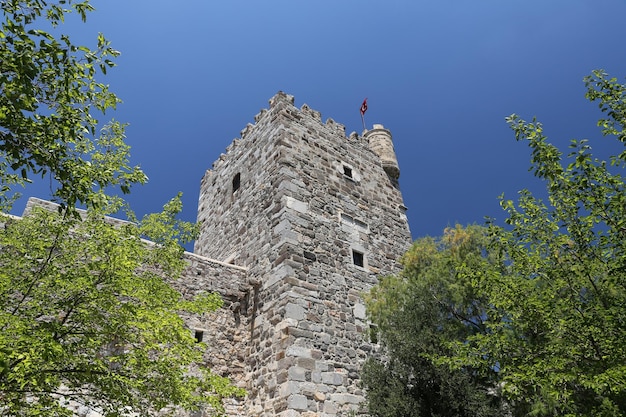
373 333
236 182
199 335
347 171
358 258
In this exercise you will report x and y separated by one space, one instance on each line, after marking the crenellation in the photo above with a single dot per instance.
337 127
260 115
281 98
246 130
314 114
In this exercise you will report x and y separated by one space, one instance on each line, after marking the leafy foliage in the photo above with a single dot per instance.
557 319
87 312
416 315
49 102
85 315
538 310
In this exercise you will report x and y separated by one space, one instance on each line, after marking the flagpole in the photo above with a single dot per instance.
363 110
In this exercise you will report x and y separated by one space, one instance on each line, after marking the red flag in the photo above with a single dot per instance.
364 107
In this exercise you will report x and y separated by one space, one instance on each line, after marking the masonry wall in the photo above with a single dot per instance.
227 330
293 201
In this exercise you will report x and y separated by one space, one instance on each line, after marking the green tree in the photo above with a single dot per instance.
416 315
556 319
86 310
49 104
86 316
541 300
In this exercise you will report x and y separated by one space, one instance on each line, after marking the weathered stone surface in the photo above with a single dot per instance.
297 402
309 197
297 373
346 398
293 311
332 378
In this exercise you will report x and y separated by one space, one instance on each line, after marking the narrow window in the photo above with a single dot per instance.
199 335
236 182
347 171
358 258
373 333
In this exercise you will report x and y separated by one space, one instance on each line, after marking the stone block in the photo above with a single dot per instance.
297 402
316 377
294 311
278 274
308 389
330 408
297 373
306 334
344 398
285 363
298 351
289 388
281 376
359 311
332 378
280 409
306 363
321 366
299 206
319 396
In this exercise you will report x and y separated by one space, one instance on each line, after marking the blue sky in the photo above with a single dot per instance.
440 74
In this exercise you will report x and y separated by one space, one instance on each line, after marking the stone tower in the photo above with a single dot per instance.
313 218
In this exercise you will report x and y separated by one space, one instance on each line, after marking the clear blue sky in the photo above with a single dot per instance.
440 74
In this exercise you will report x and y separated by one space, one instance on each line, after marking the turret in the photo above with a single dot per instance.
381 144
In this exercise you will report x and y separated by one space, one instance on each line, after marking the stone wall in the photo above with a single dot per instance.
316 219
226 331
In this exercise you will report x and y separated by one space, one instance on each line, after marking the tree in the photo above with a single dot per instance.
556 319
49 103
86 316
543 296
416 315
87 313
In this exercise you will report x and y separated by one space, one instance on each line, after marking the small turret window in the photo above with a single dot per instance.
347 171
236 182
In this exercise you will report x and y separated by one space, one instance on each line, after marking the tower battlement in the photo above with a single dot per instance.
282 102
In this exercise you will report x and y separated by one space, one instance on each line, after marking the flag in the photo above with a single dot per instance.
364 107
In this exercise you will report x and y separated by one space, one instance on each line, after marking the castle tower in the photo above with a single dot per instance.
315 217
380 143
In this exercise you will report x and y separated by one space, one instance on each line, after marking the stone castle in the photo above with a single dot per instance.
304 220
297 222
